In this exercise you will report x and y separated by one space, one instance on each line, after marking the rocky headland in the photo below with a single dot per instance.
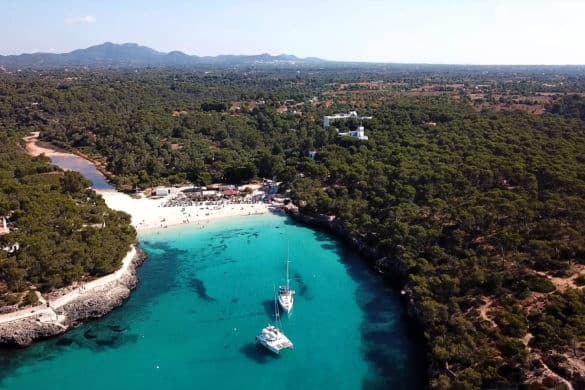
69 307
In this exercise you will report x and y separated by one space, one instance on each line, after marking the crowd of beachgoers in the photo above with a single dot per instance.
162 212
181 206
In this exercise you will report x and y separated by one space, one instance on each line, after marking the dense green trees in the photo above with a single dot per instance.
482 209
475 207
65 232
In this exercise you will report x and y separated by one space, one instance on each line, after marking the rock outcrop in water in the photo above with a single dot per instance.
90 305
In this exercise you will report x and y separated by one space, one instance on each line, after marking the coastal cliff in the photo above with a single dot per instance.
44 322
392 268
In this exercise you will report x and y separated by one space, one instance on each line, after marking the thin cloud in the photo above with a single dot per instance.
81 20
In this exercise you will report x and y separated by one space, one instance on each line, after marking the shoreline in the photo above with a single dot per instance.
151 214
34 147
68 308
392 271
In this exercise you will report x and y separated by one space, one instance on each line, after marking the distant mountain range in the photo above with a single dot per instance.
132 54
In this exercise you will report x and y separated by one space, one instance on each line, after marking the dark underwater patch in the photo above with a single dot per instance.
89 334
269 307
106 343
116 328
199 288
64 342
257 353
158 274
301 287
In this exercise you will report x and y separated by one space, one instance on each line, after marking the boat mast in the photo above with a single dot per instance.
287 260
276 314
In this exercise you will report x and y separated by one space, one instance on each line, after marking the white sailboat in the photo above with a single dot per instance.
273 338
285 293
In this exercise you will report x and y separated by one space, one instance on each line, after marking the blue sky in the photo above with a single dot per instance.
421 31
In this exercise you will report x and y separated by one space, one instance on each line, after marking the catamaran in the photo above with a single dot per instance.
285 293
273 338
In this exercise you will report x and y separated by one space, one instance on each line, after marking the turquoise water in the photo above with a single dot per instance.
86 168
206 293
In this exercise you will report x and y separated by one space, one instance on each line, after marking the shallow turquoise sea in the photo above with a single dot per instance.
205 293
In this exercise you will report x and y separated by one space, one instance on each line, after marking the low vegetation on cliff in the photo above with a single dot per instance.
59 230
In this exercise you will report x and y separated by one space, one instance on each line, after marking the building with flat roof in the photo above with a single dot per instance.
343 116
359 134
164 191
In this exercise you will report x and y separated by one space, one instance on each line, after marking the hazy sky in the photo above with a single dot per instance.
424 31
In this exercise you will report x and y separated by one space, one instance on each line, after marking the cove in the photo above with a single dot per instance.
203 296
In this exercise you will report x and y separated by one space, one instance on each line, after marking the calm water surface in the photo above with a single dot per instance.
86 168
206 292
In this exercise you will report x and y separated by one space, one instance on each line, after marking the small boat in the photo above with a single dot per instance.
273 338
285 293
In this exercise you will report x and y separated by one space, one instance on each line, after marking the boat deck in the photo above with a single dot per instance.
283 344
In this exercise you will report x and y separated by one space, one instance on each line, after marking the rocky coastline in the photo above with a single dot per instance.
92 304
393 269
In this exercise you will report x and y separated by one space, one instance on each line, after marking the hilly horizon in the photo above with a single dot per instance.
133 54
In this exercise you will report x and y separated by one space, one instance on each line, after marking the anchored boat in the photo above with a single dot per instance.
272 338
285 293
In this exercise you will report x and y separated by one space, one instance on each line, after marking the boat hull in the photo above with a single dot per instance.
286 299
286 306
267 346
273 339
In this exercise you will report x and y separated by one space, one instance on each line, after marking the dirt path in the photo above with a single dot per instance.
34 149
48 312
551 373
562 284
487 303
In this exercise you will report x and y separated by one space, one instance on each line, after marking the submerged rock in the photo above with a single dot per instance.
64 342
89 334
199 288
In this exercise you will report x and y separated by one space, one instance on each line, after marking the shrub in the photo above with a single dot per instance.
540 284
30 298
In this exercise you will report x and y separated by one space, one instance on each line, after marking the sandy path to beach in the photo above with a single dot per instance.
74 294
34 149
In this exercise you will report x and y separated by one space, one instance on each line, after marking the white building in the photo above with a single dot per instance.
4 229
209 193
343 116
163 191
359 134
12 248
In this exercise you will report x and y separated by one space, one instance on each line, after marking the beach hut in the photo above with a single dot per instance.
209 194
161 191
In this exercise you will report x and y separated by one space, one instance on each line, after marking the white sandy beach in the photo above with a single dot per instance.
149 213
